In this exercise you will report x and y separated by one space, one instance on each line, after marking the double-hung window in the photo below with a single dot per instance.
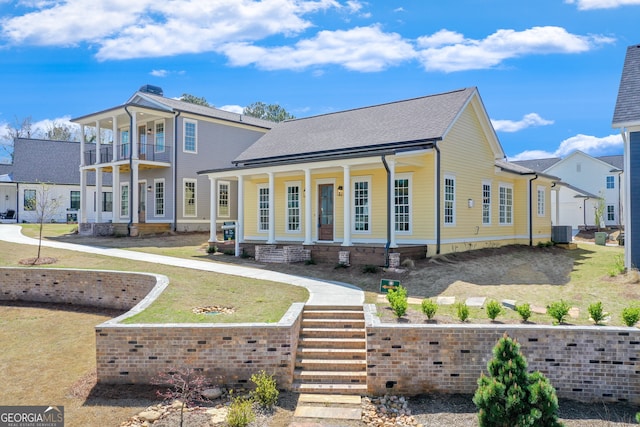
449 200
74 200
361 220
159 139
29 200
541 199
158 197
611 182
506 205
223 199
107 201
124 200
402 204
189 198
263 208
124 144
190 136
293 207
611 212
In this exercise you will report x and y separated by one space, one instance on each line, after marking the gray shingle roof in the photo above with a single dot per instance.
538 165
201 110
55 162
513 167
615 161
374 127
627 108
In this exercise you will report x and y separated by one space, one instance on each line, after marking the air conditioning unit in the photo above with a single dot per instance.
561 233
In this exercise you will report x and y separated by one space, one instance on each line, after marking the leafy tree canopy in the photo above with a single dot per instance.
187 97
271 112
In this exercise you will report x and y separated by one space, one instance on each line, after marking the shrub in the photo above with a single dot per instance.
212 249
597 312
558 310
618 266
341 265
369 268
524 310
631 315
240 412
463 311
510 396
429 308
493 309
266 392
398 300
310 261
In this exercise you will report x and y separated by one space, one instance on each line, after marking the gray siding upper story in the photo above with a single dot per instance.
46 161
627 109
542 165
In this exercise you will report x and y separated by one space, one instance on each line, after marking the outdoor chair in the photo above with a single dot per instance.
9 214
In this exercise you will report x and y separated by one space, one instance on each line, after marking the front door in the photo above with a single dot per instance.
142 142
142 202
325 209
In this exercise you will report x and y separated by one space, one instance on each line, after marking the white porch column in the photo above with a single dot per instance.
82 148
98 195
134 198
272 210
240 225
83 196
346 239
114 136
98 142
392 205
308 222
213 209
134 136
115 195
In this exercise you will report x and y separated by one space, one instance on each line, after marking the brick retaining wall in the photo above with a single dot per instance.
97 288
584 363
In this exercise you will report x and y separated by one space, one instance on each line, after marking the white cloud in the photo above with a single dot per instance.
232 108
592 145
529 120
449 51
159 73
602 4
364 49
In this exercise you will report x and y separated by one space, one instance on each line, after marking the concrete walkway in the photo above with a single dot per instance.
320 292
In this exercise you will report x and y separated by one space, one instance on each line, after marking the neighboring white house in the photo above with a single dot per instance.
51 166
587 183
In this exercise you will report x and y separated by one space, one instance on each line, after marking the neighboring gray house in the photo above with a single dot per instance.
38 163
587 182
153 147
626 117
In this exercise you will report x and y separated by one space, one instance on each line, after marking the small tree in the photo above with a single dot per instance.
45 206
398 300
599 210
184 385
493 309
510 396
192 99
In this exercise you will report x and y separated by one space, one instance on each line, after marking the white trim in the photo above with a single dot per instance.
121 205
184 134
258 188
409 177
319 182
195 198
510 187
228 184
444 200
489 183
155 197
155 136
355 179
287 185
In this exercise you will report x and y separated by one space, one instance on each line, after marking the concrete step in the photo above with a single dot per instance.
317 388
330 377
332 314
343 343
334 307
327 412
331 365
330 399
333 323
332 332
332 353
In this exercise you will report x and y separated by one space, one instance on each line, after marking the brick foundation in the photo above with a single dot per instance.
284 255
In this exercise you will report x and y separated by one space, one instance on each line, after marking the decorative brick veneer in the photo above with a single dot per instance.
284 255
584 363
97 288
227 353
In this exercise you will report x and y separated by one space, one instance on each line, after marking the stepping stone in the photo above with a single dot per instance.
538 309
330 398
509 303
475 301
328 412
574 312
445 300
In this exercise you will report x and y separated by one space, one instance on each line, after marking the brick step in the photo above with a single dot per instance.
331 365
332 314
330 377
333 323
332 332
334 307
343 343
317 388
332 353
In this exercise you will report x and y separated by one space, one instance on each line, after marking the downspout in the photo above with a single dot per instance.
531 209
386 246
438 190
130 170
175 171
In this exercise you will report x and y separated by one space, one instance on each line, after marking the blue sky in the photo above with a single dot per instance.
547 70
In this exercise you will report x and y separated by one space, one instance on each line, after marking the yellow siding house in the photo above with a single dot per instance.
418 177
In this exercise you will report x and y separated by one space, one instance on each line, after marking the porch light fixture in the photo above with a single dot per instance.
340 191
149 131
6 197
149 189
470 203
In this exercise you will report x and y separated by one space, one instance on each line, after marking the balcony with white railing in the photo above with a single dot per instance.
151 153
